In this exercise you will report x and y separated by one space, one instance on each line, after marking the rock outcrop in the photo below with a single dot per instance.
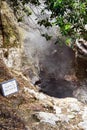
30 109
10 38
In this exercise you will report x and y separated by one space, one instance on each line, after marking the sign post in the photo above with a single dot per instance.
9 87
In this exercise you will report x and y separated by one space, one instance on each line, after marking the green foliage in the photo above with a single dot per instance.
27 10
70 15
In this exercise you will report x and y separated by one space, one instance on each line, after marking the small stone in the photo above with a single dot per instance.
38 95
83 125
71 116
84 114
74 107
81 94
57 109
47 117
86 27
63 118
41 96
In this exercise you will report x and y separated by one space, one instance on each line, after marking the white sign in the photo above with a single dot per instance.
9 87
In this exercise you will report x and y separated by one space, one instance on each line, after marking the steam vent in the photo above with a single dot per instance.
43 79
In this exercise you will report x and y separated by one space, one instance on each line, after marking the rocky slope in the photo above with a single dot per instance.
10 38
30 109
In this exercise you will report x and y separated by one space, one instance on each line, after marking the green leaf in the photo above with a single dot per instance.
67 27
68 41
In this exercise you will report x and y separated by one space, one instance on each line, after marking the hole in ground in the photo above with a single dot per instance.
59 88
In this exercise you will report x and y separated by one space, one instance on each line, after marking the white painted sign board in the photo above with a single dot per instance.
9 87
